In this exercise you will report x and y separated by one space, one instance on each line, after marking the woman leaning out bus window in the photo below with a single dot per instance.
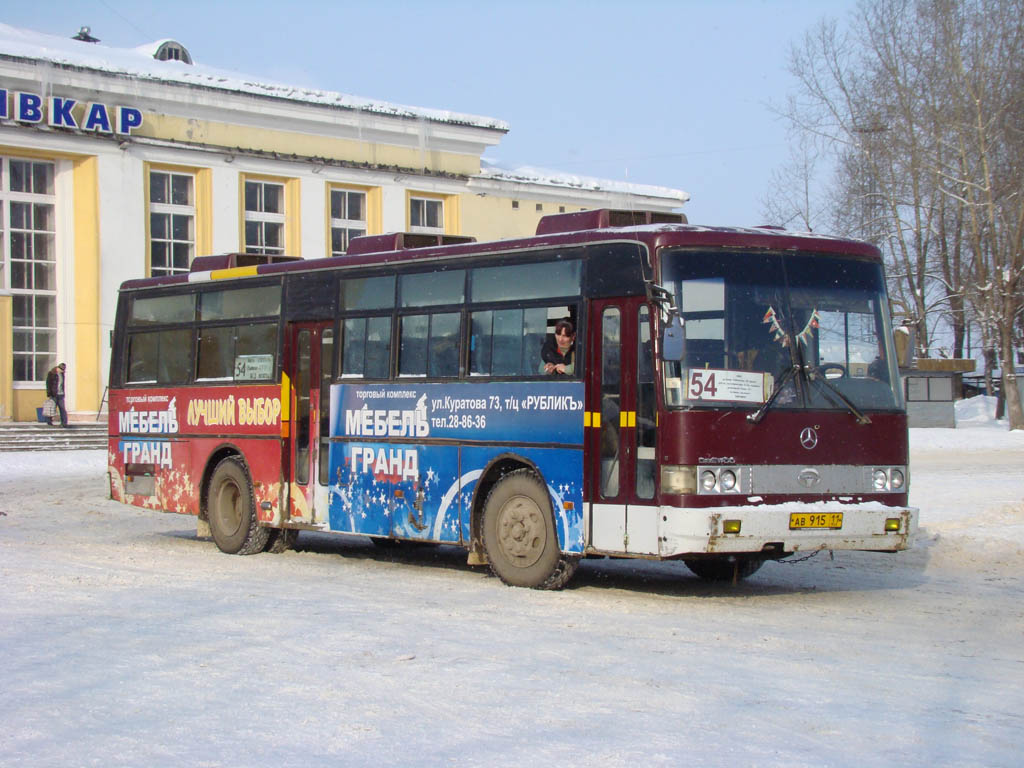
559 351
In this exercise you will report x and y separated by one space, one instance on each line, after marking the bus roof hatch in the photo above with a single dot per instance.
603 218
400 241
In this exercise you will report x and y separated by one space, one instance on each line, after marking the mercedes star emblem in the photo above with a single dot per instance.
808 438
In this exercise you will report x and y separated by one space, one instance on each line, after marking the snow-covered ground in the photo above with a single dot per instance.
127 641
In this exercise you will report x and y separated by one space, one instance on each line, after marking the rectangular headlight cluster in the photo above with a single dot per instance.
723 480
886 479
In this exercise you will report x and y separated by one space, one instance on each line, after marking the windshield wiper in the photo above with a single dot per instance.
815 374
790 372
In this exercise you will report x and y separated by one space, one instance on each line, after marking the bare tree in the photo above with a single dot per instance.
919 102
793 201
982 45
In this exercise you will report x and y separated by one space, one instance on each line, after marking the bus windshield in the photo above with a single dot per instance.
814 327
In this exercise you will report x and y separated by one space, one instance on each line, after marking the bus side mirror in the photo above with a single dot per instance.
672 340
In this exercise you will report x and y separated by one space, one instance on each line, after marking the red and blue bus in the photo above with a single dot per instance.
732 398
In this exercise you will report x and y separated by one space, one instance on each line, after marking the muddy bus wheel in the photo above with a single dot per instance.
724 568
519 534
231 508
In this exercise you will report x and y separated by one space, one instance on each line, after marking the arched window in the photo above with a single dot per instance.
171 50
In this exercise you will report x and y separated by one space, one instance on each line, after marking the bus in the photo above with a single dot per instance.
733 397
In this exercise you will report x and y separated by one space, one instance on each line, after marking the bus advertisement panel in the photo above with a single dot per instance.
405 457
161 438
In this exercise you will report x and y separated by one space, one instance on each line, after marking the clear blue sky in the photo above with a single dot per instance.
649 91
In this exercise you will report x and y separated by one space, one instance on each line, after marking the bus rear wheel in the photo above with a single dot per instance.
231 507
519 534
724 568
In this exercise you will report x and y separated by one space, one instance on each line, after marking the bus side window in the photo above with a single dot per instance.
429 345
507 342
160 357
366 347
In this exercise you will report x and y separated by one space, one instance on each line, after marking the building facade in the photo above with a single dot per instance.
124 163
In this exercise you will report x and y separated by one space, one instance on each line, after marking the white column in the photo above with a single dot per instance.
225 213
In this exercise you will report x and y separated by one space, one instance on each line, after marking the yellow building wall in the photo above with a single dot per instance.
287 143
87 336
25 403
493 218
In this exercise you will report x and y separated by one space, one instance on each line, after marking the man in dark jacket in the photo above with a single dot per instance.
55 390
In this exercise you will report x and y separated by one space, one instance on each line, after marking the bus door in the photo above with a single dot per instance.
622 421
308 365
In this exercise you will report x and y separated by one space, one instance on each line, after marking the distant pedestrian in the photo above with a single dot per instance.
55 391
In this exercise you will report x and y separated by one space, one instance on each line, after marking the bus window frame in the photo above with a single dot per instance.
120 356
574 303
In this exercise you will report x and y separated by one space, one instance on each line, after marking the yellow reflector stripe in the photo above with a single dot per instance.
220 274
286 404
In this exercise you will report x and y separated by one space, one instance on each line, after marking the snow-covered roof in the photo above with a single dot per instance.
139 63
526 174
157 47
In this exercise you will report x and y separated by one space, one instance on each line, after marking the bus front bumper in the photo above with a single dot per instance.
785 528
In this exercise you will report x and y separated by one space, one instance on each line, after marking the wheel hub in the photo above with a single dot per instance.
228 508
521 531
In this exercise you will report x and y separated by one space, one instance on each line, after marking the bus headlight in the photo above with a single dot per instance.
896 479
727 480
879 480
708 480
678 480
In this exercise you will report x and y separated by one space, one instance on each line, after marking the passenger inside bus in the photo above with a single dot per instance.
558 353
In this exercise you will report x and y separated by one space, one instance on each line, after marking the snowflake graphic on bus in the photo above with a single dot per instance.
405 459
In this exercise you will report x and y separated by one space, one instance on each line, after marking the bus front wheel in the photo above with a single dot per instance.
231 507
519 534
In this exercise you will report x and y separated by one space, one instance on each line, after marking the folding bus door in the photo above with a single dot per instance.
308 365
621 428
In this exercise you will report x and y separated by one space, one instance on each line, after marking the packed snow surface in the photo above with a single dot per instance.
127 641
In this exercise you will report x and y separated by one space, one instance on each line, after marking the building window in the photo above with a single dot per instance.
264 217
171 50
172 222
28 262
426 215
922 388
348 218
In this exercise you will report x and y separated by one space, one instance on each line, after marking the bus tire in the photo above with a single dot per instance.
280 540
519 534
231 507
724 568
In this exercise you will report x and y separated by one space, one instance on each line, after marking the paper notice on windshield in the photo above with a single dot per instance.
723 385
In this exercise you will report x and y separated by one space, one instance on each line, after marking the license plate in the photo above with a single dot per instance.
816 520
